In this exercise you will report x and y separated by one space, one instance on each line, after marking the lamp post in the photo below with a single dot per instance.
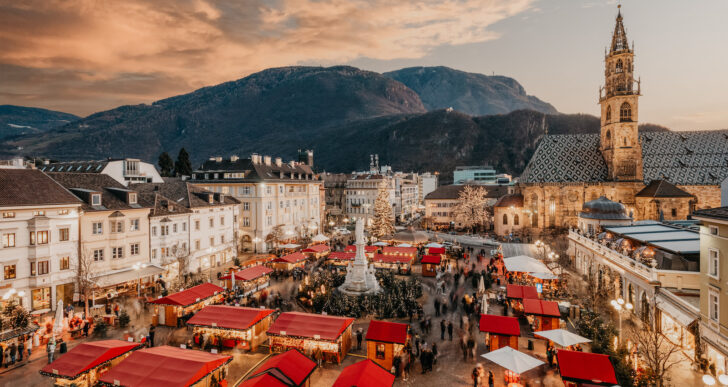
256 240
137 267
620 305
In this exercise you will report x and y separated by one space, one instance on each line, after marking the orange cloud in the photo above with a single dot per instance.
84 55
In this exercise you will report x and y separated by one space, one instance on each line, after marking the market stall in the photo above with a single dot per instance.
309 332
585 369
430 265
542 315
251 280
368 250
562 337
340 258
385 341
290 261
410 252
84 364
364 373
290 368
317 251
401 263
170 367
514 362
235 326
501 331
168 310
435 251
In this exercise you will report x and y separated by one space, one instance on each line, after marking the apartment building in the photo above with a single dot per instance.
124 171
39 247
440 204
335 195
273 195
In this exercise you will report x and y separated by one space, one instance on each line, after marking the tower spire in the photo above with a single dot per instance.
619 39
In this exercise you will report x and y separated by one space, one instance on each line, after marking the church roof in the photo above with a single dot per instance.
662 189
682 158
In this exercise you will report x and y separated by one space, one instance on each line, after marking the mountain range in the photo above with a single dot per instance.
423 118
21 120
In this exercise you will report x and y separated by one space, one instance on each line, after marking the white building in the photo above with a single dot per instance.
39 230
125 171
361 193
274 196
485 174
427 182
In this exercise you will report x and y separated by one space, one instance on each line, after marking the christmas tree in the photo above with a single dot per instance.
382 224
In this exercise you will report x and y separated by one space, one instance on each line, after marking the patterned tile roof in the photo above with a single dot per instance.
682 158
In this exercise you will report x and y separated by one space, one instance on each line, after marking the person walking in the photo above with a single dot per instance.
29 344
13 352
359 337
85 328
437 307
449 329
151 335
491 379
2 354
434 353
476 377
471 347
51 349
21 348
443 328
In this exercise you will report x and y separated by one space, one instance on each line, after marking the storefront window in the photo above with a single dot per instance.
380 351
41 298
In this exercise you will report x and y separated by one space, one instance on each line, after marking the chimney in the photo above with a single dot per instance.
234 158
279 161
46 162
292 164
255 158
218 159
266 160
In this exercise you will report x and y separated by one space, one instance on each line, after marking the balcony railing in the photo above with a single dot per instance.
650 274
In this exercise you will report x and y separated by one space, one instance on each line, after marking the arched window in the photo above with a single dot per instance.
625 141
625 112
619 67
609 136
609 114
505 219
515 220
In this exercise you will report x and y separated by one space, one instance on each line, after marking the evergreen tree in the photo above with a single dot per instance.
183 166
166 164
382 224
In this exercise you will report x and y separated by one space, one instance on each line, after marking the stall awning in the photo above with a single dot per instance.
520 291
585 367
250 273
291 258
341 256
387 332
365 374
392 258
317 249
190 296
86 356
310 325
525 264
500 325
291 367
392 250
265 380
121 276
667 306
541 307
367 249
432 259
164 366
436 250
228 317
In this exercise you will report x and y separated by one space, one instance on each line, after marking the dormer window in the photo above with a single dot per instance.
132 198
210 198
95 199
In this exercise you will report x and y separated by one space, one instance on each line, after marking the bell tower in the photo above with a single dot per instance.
618 98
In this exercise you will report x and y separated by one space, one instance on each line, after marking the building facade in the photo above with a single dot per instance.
485 174
124 171
440 204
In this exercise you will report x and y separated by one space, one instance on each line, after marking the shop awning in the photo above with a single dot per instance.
190 296
341 256
541 307
393 250
292 258
164 366
121 276
500 325
436 250
562 337
250 273
290 246
320 238
364 374
667 306
291 367
513 360
265 380
13 333
586 368
380 244
520 291
317 249
228 317
544 276
524 264
387 332
432 259
392 258
86 356
433 245
367 248
310 325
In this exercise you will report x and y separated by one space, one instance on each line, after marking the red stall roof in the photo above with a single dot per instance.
190 296
388 332
544 308
500 325
433 259
250 273
367 249
229 317
392 258
584 367
364 374
341 256
264 380
317 249
86 356
290 367
164 366
292 258
436 250
520 291
399 250
310 325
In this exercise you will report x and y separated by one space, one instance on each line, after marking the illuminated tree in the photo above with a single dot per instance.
382 224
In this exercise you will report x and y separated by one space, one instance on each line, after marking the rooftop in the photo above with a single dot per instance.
31 187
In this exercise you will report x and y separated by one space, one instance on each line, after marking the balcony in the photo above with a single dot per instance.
647 273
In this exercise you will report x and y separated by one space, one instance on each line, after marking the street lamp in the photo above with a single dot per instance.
137 267
256 240
620 305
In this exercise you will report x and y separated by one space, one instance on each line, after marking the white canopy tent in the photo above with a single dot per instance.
404 245
290 246
320 238
433 244
562 337
380 244
544 276
513 360
525 264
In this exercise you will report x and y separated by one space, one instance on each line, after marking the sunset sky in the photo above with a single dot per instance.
82 56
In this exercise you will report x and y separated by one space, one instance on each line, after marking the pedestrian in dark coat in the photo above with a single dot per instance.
449 329
443 328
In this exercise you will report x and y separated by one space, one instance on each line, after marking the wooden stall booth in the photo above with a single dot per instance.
85 363
543 315
364 373
290 261
317 251
385 341
501 331
410 252
579 369
167 310
236 326
435 251
310 333
369 250
401 263
251 280
430 265
290 368
340 258
517 293
170 367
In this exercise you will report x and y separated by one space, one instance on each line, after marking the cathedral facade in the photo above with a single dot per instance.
656 175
